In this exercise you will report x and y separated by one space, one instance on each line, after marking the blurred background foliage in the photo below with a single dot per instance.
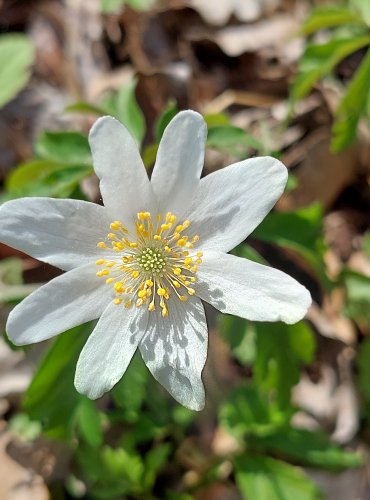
288 406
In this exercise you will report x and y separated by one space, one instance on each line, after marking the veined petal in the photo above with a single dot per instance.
109 349
175 350
238 286
63 233
124 183
231 202
179 162
66 301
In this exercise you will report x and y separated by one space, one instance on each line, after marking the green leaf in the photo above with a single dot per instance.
155 459
88 421
319 60
309 448
45 178
246 412
352 107
68 148
240 335
329 17
300 231
140 5
267 478
130 391
52 397
124 107
363 8
231 140
17 55
358 295
363 362
12 288
216 119
26 428
281 350
110 6
164 119
85 108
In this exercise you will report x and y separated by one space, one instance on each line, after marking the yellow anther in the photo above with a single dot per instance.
101 244
183 298
179 228
109 281
117 301
111 264
135 274
177 271
176 236
151 306
182 242
193 269
186 224
176 284
99 273
198 261
104 272
195 238
141 294
188 261
149 283
173 219
118 286
199 254
164 312
165 227
191 291
185 253
189 245
128 304
193 279
161 291
99 262
157 237
111 236
133 244
167 249
115 225
139 302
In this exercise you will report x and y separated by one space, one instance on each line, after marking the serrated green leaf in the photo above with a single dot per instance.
130 391
300 231
281 350
352 107
52 397
68 148
246 412
270 479
319 60
17 55
329 17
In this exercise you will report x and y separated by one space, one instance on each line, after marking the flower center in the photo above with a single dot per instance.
157 262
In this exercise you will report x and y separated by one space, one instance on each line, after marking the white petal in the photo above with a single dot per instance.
231 202
109 349
63 233
124 183
179 162
175 350
69 300
249 290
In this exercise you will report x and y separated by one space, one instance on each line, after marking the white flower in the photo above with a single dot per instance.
143 261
